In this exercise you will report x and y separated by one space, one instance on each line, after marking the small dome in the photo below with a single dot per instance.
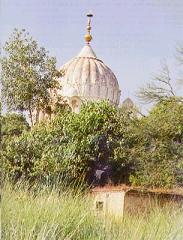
128 103
90 77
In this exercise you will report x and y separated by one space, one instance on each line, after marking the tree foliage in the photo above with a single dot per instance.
70 144
146 151
12 124
27 73
159 159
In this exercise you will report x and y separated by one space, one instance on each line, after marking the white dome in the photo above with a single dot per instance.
90 77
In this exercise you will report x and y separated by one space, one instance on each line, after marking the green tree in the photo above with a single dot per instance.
70 144
146 150
12 124
159 151
28 73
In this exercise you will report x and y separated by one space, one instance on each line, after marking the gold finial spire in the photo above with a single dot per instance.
88 36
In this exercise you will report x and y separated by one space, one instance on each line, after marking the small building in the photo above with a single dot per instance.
119 200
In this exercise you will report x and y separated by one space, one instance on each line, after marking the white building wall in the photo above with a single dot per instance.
110 203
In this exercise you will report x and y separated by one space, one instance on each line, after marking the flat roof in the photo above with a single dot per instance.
127 188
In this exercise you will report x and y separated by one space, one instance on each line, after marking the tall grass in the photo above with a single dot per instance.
59 213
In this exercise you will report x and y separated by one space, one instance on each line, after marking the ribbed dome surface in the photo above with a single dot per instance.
91 78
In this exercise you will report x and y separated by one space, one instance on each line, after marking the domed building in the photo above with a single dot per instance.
87 78
127 103
84 78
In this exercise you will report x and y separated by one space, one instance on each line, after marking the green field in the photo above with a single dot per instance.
58 213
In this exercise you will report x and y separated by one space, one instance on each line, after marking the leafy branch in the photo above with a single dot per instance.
158 90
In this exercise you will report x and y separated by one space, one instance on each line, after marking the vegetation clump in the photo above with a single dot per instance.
144 151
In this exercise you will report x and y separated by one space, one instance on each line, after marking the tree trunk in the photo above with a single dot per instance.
37 114
30 115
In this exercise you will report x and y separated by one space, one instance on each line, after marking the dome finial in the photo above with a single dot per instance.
88 36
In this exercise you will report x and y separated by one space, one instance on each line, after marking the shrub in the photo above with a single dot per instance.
71 144
159 160
147 151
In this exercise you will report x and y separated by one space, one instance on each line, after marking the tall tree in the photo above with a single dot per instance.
28 73
159 146
161 87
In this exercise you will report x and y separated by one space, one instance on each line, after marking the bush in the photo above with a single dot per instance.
159 161
70 145
145 151
12 124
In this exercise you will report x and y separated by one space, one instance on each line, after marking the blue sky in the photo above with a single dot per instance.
132 37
